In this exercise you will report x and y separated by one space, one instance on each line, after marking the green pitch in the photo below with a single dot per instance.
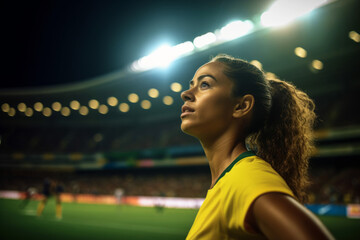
88 221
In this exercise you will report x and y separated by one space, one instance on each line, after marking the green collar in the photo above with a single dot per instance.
241 156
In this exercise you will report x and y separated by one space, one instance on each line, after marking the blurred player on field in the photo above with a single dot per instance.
29 193
119 193
51 188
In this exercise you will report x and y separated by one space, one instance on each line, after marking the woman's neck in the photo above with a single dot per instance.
221 153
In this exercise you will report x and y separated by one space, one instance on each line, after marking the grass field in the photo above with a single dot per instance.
87 221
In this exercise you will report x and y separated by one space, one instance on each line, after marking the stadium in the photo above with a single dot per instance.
94 105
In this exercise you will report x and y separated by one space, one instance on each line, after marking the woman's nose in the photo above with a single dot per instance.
186 96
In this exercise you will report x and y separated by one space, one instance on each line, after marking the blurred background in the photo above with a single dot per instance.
90 96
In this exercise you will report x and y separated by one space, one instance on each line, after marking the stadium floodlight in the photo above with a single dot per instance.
161 57
205 40
280 13
236 29
283 12
182 49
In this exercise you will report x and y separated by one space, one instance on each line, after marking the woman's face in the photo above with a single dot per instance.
209 103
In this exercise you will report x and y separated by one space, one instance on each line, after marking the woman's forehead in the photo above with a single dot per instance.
213 68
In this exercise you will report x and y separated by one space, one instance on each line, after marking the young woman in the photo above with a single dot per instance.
257 136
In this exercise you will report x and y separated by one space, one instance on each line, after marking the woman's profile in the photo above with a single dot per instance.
257 136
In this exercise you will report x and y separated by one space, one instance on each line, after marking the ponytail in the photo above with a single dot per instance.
286 138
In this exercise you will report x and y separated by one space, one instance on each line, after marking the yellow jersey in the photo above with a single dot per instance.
222 214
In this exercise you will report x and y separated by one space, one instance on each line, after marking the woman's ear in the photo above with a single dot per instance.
243 106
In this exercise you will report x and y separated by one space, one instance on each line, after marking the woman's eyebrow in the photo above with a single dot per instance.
201 77
206 75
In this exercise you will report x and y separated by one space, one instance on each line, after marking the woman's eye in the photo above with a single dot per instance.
204 85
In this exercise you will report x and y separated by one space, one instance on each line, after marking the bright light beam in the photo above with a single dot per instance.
182 49
205 40
280 13
283 12
236 29
163 56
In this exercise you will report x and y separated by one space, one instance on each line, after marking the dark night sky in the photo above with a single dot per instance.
54 42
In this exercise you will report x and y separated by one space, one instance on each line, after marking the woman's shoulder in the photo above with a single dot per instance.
254 170
253 162
253 176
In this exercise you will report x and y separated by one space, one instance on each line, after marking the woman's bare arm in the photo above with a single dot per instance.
278 216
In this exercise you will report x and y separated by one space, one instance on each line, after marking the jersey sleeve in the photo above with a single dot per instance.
249 179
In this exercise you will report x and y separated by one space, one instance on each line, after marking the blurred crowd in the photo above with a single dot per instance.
82 139
329 185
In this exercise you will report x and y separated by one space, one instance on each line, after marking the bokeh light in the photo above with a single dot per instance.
94 104
145 104
103 109
354 36
112 101
12 112
124 107
317 64
84 110
75 105
300 52
154 93
38 106
65 111
47 112
167 100
133 97
21 107
5 107
29 112
176 87
56 106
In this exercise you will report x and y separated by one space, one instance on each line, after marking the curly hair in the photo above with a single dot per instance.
281 131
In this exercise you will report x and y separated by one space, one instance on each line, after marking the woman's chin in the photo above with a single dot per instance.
186 128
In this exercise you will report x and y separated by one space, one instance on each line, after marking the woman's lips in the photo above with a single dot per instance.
186 110
184 114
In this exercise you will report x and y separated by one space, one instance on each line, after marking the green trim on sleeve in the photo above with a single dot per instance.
241 156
